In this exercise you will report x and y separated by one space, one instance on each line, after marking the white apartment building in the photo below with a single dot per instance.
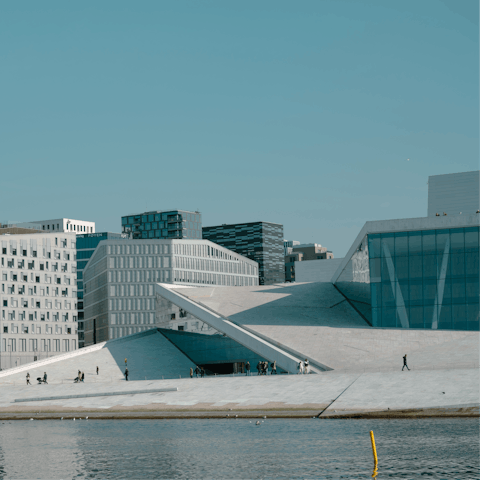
38 296
66 225
119 280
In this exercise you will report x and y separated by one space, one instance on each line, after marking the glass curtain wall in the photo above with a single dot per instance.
425 279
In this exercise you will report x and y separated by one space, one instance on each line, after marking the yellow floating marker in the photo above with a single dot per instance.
374 450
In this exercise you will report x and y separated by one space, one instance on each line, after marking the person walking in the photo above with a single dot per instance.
300 367
45 377
83 376
28 379
274 368
126 374
405 363
306 366
265 368
258 368
97 370
202 372
191 372
247 368
197 371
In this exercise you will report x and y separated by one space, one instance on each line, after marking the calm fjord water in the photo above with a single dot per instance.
236 448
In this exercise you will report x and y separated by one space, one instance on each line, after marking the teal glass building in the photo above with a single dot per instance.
163 224
415 278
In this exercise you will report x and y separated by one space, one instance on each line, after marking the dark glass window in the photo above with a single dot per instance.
471 239
428 241
388 244
443 237
415 243
401 244
458 240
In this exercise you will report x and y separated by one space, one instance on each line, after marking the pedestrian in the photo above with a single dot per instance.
258 368
126 374
28 379
306 366
300 367
83 377
202 372
405 362
265 368
191 372
79 374
247 368
197 371
45 377
97 370
274 368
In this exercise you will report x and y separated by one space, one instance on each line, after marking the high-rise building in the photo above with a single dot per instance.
454 193
38 297
120 277
259 241
86 245
66 225
163 224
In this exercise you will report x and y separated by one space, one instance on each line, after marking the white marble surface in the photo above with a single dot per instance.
314 319
368 391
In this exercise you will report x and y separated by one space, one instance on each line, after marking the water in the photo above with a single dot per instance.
236 448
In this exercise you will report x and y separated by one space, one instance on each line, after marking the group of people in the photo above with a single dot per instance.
303 367
262 368
198 371
79 378
40 380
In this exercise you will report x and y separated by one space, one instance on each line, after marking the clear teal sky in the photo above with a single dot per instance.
301 113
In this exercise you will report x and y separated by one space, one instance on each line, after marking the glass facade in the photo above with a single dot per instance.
416 279
86 245
258 241
172 224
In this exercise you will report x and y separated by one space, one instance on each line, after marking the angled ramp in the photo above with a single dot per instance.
246 338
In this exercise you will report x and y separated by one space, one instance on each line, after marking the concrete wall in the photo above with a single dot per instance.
454 193
316 270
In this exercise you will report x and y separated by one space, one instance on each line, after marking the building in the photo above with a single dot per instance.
38 297
86 245
119 281
420 273
288 246
66 225
454 194
259 241
303 252
163 224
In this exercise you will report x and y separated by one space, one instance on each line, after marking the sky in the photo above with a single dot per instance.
319 115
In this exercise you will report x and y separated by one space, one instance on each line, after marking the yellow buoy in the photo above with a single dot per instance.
374 450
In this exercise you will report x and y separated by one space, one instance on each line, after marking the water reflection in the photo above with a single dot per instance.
325 449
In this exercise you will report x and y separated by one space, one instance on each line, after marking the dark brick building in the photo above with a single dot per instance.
259 241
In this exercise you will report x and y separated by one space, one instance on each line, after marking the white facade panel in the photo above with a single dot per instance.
119 281
66 225
454 194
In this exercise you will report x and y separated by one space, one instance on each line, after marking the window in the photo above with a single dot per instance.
5 329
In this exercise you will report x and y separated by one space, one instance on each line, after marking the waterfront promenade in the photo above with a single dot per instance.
431 393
